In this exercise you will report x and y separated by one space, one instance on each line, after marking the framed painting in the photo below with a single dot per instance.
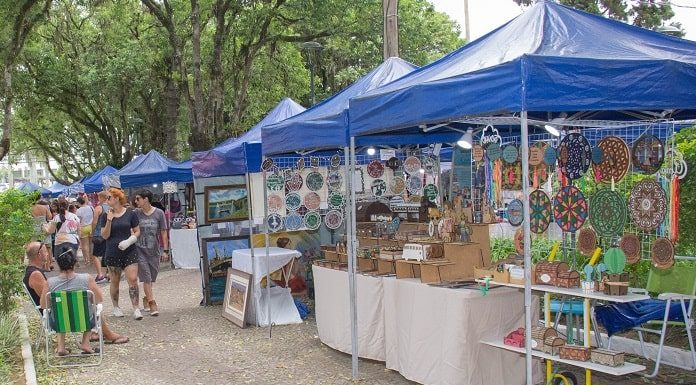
226 203
236 296
217 258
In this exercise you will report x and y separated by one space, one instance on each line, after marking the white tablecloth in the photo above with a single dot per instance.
332 304
283 310
184 248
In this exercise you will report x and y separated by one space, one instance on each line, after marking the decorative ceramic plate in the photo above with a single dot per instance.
312 201
630 244
647 205
312 220
615 160
662 253
515 212
333 219
510 153
275 183
587 241
336 200
412 165
493 151
429 164
274 222
334 180
314 180
397 185
430 191
378 187
394 163
275 203
550 156
335 160
414 185
608 213
375 169
294 222
570 209
294 183
477 153
536 154
648 154
539 211
293 201
574 155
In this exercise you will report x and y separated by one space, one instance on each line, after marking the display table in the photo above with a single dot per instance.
332 304
184 248
283 310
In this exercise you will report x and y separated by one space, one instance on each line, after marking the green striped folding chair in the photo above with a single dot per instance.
73 312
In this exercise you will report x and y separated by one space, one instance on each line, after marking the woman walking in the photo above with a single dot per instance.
66 226
86 214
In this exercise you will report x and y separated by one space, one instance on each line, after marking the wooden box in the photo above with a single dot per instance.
407 269
616 284
553 345
481 236
331 255
437 271
547 272
390 255
367 264
540 334
342 257
575 352
481 272
568 279
465 257
607 357
385 267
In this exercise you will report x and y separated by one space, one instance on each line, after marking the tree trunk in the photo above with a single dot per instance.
391 28
7 111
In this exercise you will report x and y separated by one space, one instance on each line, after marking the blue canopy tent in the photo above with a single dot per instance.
181 171
31 187
57 189
238 156
93 183
148 169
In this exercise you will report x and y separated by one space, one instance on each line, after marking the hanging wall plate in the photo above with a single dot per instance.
662 253
394 163
294 222
550 155
539 211
294 182
336 200
587 241
615 160
648 154
570 209
430 192
510 153
274 222
630 244
647 205
378 187
312 220
608 213
333 219
293 201
275 203
414 185
493 151
429 164
275 183
314 181
412 165
515 212
334 180
312 201
574 155
375 169
397 185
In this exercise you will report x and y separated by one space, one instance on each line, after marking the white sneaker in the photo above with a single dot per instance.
137 315
117 312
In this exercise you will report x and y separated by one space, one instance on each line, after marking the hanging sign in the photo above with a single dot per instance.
387 154
169 187
490 135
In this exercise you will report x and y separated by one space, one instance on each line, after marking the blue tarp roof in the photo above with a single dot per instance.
237 156
325 125
552 58
151 168
56 189
31 187
93 183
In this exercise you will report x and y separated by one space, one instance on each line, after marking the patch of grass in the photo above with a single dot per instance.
44 374
9 343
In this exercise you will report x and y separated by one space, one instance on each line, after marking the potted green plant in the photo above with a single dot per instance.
616 282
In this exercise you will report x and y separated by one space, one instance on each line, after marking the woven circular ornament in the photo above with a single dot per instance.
274 222
515 212
375 169
429 164
615 160
414 185
294 222
510 153
587 241
335 160
336 200
294 182
574 155
607 213
630 244
312 200
275 203
662 253
647 205
275 183
477 153
570 209
648 154
334 180
397 185
314 181
412 165
293 201
333 219
493 151
312 220
539 211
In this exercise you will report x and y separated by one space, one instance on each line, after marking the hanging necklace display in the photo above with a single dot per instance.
394 163
336 200
515 212
275 183
375 169
333 219
662 253
587 241
294 222
274 222
312 201
414 185
574 155
293 201
607 213
550 155
334 180
647 205
430 192
648 154
312 220
412 165
294 182
275 203
477 153
378 187
630 244
539 211
510 153
335 161
314 181
569 209
615 160
397 185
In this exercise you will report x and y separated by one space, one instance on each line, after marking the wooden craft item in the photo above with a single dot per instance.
493 151
540 334
568 279
574 155
630 244
314 181
607 357
662 253
312 220
615 160
539 211
607 213
430 192
587 241
275 183
647 205
550 155
553 345
536 154
314 161
267 164
333 219
510 153
293 201
334 180
648 154
412 165
515 212
336 200
294 182
394 163
515 338
477 153
275 203
519 241
546 272
575 352
375 169
274 222
378 187
570 209
414 185
293 222
312 200
397 185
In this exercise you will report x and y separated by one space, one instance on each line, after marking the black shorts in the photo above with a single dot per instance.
98 248
121 261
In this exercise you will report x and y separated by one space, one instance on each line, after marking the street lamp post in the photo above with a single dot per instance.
310 47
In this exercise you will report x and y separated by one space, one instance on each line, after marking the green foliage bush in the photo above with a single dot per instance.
9 341
502 247
16 231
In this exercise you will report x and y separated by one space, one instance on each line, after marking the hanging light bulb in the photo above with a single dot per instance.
552 130
371 151
466 142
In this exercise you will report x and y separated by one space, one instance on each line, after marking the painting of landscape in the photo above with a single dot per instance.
226 203
217 259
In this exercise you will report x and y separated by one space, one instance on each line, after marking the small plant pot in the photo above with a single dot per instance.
588 286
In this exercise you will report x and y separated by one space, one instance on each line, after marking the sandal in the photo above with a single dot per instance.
94 337
63 353
93 351
117 341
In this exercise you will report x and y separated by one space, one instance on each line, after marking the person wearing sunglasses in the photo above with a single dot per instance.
153 227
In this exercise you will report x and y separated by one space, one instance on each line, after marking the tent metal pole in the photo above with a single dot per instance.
351 265
268 257
251 232
527 248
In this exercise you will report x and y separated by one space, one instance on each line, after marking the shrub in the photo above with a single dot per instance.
9 341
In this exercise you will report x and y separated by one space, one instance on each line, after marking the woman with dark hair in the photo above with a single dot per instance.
66 227
121 231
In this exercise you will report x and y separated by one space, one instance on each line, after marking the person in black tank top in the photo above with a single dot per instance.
34 276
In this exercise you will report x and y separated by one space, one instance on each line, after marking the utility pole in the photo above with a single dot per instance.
390 12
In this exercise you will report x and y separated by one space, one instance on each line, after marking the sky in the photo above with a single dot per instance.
486 15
